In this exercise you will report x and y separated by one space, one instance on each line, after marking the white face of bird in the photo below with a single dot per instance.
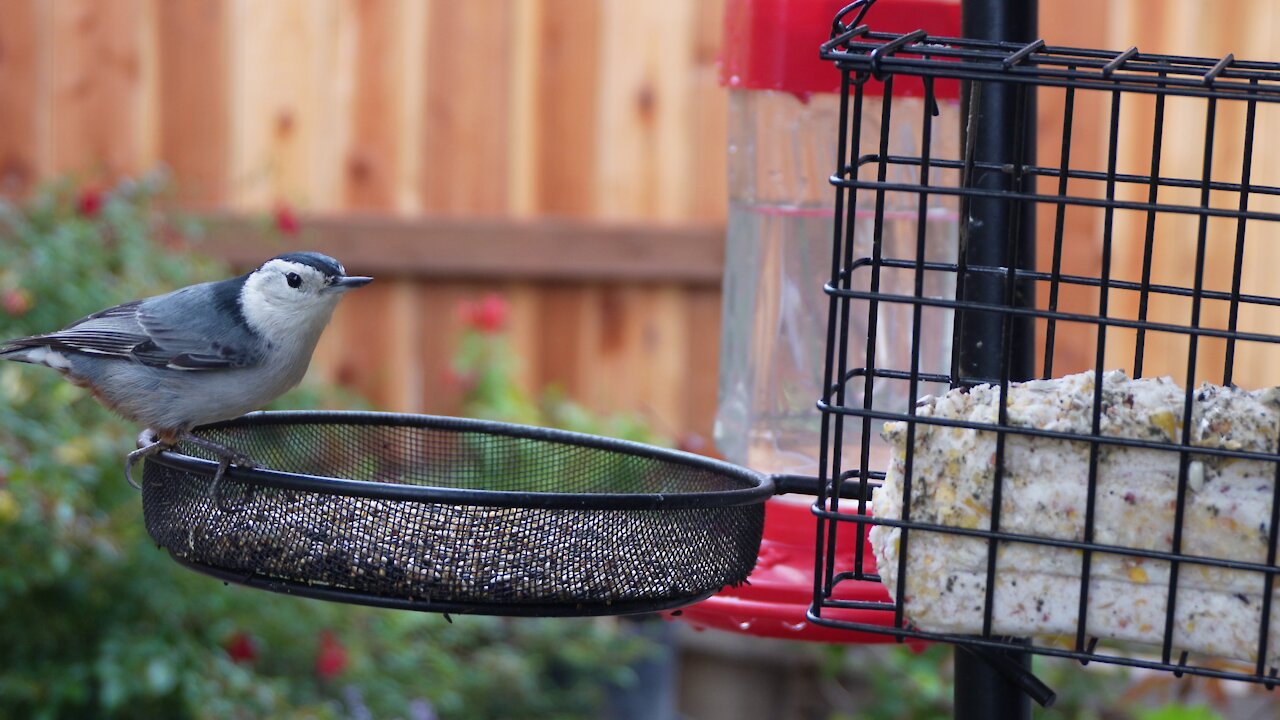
283 298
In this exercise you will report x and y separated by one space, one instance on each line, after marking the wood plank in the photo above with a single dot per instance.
96 86
567 93
439 327
559 323
20 75
603 364
702 360
643 141
285 103
630 341
522 102
370 166
1163 354
524 305
147 102
488 247
709 160
414 31
465 120
194 110
371 56
662 374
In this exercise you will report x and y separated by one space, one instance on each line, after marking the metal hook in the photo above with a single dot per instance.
838 27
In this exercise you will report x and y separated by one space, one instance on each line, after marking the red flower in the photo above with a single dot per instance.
89 204
331 658
15 301
488 316
171 237
286 220
241 648
457 380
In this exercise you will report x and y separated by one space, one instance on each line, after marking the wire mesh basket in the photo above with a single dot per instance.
455 515
1031 489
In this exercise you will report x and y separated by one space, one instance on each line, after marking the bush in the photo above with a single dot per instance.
96 622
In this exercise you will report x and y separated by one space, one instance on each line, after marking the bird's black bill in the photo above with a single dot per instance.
350 282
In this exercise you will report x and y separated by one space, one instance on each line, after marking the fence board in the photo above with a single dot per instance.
283 122
709 147
566 101
465 132
492 248
20 77
559 356
371 94
643 143
702 360
193 103
96 87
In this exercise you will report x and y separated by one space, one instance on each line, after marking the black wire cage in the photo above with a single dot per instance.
1168 207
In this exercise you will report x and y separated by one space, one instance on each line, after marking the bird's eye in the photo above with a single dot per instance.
293 279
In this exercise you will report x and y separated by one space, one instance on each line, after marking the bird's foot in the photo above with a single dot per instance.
223 453
151 442
148 444
226 458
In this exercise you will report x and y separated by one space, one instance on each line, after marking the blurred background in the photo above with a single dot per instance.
540 188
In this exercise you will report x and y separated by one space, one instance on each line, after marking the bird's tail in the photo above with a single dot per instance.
32 350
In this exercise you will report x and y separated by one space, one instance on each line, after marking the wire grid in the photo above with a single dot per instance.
466 533
1187 228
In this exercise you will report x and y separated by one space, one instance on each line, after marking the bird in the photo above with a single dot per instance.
200 354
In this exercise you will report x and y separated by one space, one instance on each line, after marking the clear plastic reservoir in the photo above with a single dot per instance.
778 259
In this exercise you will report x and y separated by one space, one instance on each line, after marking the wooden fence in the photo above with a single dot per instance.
536 130
567 153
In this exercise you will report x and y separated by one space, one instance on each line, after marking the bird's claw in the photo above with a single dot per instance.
226 458
148 445
221 452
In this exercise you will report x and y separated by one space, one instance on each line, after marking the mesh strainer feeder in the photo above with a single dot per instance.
456 515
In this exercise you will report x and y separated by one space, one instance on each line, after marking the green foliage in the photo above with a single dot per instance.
1095 692
1180 712
894 682
95 622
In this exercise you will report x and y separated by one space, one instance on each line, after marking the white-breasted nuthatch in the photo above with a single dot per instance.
200 354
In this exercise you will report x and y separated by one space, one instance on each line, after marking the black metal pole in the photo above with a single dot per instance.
1002 110
996 233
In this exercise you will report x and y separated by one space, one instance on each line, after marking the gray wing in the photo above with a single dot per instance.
187 329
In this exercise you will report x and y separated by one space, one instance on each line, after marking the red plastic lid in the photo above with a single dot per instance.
776 597
773 44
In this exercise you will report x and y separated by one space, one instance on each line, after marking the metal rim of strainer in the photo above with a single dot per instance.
758 487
